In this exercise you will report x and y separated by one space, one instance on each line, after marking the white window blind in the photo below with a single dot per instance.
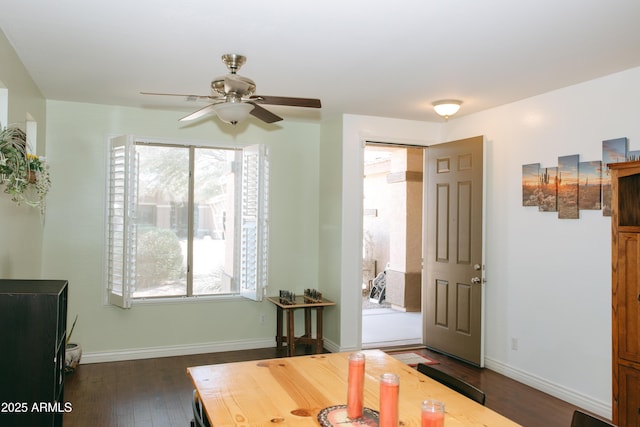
254 222
121 227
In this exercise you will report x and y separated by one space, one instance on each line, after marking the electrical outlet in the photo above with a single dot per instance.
514 344
261 319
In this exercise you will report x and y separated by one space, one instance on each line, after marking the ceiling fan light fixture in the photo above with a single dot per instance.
447 107
233 112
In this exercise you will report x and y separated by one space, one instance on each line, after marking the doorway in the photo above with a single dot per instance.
392 245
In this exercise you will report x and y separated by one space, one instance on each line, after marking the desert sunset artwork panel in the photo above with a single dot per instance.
568 187
590 185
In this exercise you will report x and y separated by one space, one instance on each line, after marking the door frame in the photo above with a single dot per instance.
347 326
405 146
424 144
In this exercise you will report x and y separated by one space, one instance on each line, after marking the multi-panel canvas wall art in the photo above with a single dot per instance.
574 185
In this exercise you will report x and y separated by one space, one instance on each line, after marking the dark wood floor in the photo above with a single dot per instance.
157 392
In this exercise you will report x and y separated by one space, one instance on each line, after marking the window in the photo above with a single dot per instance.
4 106
186 221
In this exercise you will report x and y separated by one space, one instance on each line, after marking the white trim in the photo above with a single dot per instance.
334 347
568 395
483 261
197 143
393 343
175 350
4 106
186 300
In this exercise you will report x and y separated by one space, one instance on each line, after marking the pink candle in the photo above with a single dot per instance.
355 385
389 392
432 413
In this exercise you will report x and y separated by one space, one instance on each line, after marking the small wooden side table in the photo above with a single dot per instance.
307 338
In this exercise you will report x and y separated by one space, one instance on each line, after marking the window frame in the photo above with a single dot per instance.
251 283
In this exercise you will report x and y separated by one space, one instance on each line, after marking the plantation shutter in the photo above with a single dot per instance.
254 222
121 233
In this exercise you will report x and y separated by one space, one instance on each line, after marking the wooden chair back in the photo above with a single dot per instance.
580 419
199 417
454 383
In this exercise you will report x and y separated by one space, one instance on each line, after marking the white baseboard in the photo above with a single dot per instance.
391 343
332 346
177 350
568 395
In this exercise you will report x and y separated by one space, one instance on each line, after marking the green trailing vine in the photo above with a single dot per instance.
25 176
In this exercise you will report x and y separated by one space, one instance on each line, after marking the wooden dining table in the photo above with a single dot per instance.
294 390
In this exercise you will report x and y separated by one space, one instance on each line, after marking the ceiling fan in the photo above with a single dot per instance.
233 97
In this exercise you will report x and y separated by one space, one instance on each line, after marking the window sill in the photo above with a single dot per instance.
185 300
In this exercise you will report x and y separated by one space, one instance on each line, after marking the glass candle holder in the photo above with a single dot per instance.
389 392
432 413
355 385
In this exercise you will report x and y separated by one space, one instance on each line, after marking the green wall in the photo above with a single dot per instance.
330 256
74 238
21 235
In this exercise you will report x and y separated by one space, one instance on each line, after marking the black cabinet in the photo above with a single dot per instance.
33 324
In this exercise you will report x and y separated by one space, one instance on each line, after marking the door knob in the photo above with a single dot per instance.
475 280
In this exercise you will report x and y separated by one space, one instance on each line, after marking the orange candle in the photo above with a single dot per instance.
432 413
355 385
389 392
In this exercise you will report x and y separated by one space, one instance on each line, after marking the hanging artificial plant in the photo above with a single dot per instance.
25 176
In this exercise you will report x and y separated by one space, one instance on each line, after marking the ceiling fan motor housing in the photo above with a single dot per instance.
233 61
235 84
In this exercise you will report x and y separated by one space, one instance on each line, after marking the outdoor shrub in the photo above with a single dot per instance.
159 258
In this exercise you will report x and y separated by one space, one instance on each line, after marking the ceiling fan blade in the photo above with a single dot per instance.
282 100
199 113
264 114
189 97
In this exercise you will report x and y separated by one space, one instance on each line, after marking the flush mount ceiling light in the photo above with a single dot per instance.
447 107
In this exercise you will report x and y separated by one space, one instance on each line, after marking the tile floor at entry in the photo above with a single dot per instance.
386 327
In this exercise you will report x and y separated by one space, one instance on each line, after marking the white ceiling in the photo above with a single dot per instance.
368 57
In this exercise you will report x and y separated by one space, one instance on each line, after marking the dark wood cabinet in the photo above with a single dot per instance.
33 324
625 295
